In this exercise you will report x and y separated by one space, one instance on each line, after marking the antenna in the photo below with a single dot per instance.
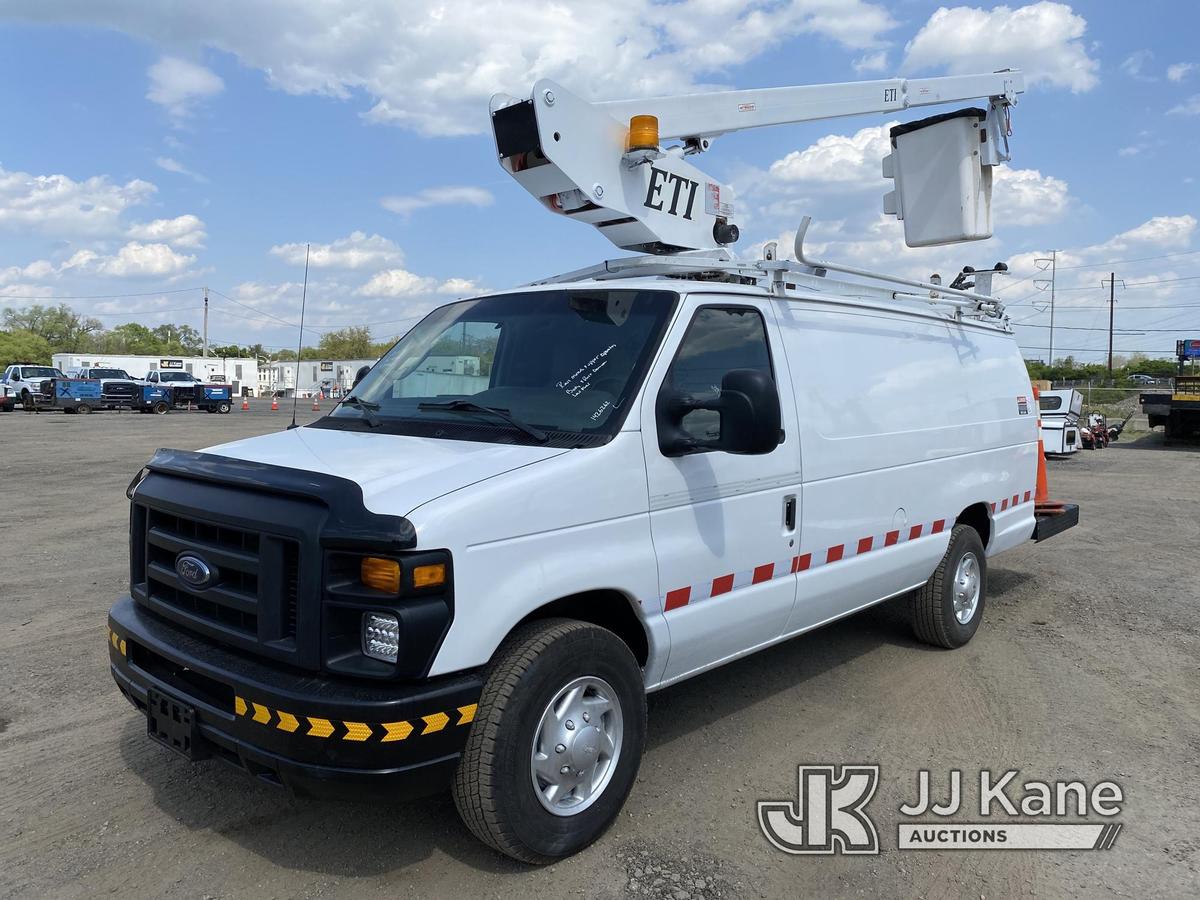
300 346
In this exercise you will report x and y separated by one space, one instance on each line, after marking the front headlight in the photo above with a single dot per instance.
380 636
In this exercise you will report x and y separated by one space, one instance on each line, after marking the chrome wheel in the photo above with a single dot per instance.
576 746
967 588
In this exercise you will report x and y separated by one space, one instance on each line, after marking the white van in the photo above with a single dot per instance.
478 583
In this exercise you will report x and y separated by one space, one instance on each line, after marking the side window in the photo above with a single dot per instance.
718 340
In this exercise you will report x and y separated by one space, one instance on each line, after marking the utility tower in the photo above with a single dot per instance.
1041 284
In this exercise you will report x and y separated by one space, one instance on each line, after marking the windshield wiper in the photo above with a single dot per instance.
471 406
366 407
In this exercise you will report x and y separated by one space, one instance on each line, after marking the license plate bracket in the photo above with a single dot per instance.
173 724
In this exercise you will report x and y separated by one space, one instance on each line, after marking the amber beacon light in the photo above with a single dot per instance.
643 133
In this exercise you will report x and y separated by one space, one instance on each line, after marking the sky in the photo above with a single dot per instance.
151 149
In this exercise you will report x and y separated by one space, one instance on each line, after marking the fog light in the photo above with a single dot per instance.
381 574
380 636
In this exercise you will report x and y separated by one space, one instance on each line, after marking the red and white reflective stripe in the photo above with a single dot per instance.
813 559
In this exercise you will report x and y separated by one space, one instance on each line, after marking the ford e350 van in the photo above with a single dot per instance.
473 574
542 504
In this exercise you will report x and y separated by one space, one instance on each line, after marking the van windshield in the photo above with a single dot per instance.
566 363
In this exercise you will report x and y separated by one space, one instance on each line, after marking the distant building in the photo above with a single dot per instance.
332 377
240 372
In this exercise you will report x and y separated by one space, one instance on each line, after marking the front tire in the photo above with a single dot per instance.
947 610
556 742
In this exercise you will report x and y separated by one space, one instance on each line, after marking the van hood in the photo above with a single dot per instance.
397 473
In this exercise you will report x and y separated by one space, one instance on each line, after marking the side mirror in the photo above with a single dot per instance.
748 405
360 375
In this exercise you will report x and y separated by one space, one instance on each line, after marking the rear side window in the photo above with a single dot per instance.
1050 403
718 340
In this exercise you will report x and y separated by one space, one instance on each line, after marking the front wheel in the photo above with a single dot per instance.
556 742
946 611
83 409
161 408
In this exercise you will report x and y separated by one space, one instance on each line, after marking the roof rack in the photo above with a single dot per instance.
782 277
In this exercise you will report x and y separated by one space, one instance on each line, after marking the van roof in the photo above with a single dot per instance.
799 287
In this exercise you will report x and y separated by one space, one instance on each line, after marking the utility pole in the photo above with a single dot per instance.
205 323
1040 283
1112 304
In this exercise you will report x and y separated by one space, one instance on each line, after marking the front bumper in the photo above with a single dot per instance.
314 734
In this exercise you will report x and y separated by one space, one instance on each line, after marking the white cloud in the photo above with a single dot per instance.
182 231
355 251
397 283
845 160
1135 65
1027 197
1189 107
177 85
170 164
134 260
39 270
451 195
59 205
872 62
458 286
431 66
1043 39
1179 71
1160 232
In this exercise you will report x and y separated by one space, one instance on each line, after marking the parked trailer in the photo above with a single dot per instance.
71 395
154 398
1059 413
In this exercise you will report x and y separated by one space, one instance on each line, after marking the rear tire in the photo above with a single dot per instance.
161 408
946 612
538 682
83 409
224 408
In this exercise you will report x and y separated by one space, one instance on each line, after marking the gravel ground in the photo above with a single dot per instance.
1086 667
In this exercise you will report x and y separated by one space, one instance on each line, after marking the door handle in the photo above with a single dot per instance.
789 513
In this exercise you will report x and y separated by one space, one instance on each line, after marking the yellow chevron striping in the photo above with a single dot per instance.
466 714
356 731
239 706
287 722
322 728
396 731
262 715
435 722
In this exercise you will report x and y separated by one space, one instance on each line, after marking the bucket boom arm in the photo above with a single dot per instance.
582 160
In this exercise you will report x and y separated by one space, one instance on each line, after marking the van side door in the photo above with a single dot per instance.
724 525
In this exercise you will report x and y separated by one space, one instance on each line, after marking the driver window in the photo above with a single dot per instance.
718 340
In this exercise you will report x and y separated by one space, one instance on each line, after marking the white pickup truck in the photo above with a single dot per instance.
25 381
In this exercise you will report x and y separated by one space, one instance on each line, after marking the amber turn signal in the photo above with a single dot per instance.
429 576
381 574
643 133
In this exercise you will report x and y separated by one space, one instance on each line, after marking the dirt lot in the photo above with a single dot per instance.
1087 666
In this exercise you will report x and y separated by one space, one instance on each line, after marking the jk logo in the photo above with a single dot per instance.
828 816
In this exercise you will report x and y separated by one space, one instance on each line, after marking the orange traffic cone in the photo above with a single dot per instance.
316 405
274 404
245 404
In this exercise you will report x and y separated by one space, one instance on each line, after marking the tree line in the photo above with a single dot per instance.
34 334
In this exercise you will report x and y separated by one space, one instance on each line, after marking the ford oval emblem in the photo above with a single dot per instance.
194 571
